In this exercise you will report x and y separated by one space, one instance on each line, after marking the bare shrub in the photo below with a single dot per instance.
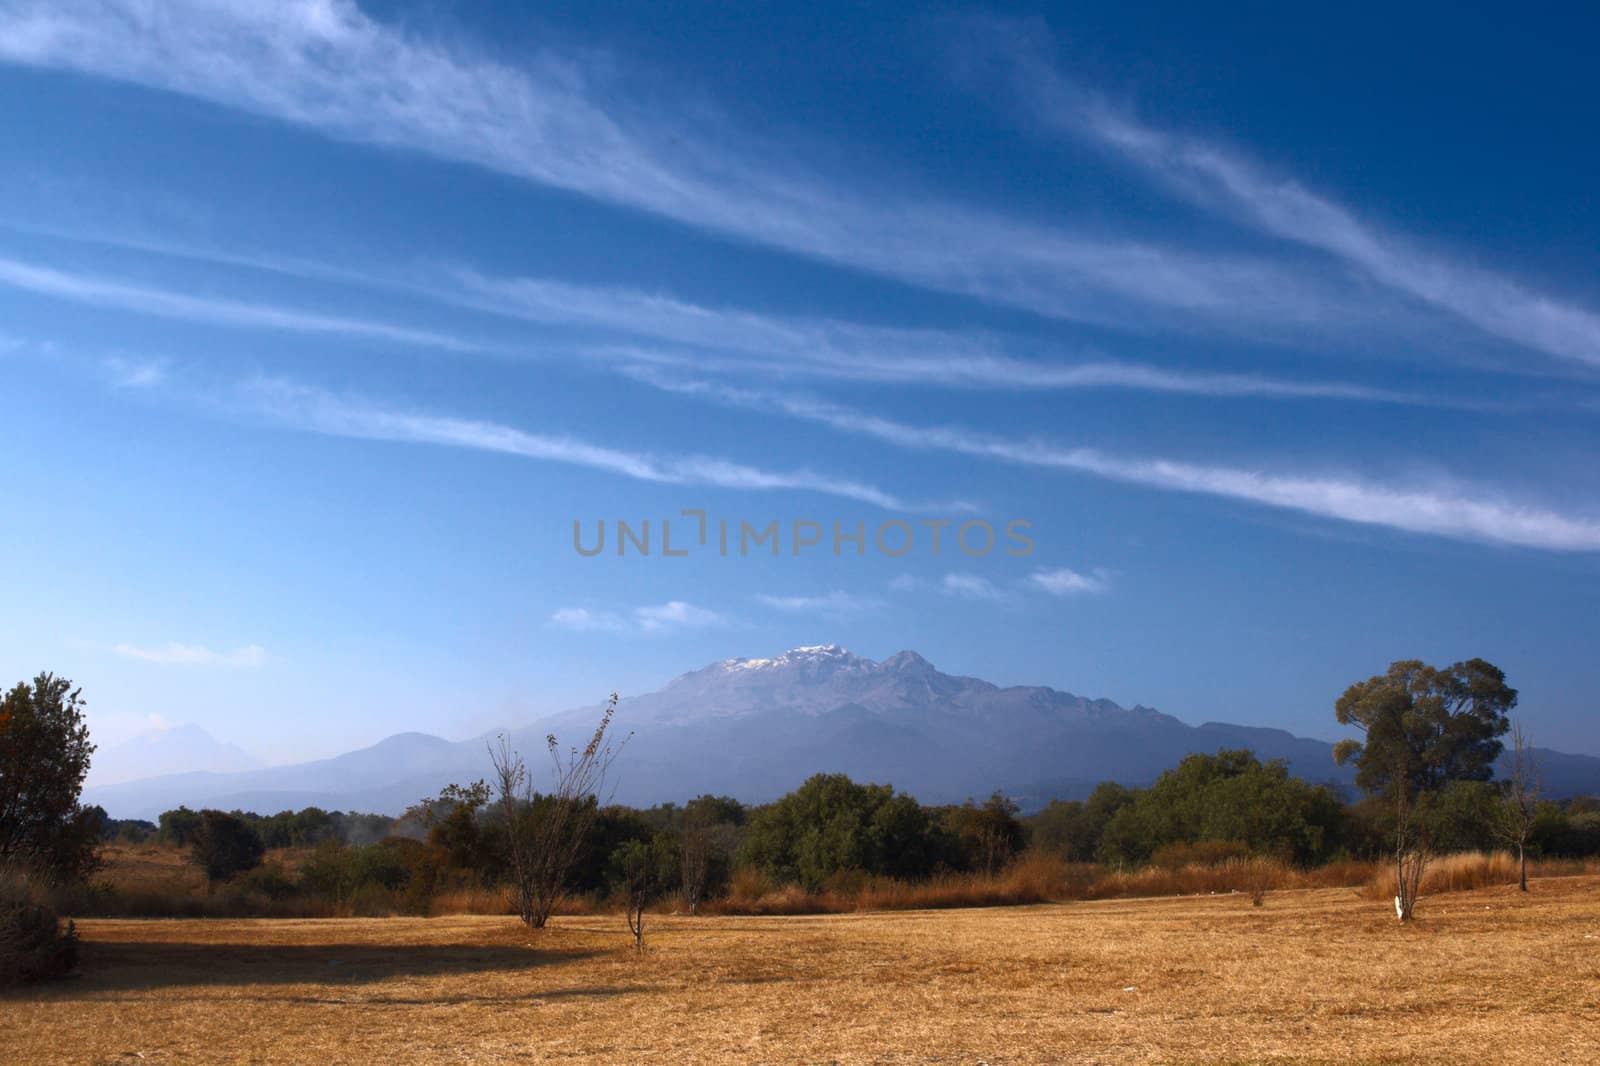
545 833
1520 802
695 858
1259 875
1410 855
33 943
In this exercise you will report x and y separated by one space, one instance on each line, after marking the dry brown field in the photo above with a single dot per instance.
1313 976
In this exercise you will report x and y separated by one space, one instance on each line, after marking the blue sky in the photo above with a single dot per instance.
321 324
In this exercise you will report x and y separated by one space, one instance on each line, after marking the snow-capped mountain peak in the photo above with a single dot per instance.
814 655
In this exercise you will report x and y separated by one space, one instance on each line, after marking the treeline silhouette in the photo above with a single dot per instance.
1212 823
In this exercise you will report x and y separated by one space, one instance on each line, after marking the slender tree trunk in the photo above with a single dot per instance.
1522 863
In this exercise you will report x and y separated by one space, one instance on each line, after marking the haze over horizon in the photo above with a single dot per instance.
327 326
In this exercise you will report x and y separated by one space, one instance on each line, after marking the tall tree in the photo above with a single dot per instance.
1423 727
44 756
224 846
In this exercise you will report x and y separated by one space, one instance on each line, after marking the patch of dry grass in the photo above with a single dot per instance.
1314 976
1470 870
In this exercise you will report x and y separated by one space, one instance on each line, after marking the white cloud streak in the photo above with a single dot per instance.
970 587
585 620
1064 581
175 654
675 614
561 121
1226 182
1455 510
747 341
124 372
837 602
102 292
832 348
316 411
666 617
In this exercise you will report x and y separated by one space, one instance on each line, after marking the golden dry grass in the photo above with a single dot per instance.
1314 976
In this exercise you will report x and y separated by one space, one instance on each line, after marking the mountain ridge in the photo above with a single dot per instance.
756 728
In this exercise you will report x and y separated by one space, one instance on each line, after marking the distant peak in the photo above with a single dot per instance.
904 661
810 654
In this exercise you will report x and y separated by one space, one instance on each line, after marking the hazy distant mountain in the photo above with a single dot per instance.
756 728
166 751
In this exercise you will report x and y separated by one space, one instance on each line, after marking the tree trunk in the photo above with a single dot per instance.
1522 863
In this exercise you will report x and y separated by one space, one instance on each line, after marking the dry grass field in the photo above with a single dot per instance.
1314 976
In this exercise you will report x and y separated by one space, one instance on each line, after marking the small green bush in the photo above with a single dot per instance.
270 881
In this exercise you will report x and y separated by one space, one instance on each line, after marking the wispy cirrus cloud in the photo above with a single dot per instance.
1446 507
824 347
126 372
708 339
1065 581
165 303
314 410
176 654
1232 185
837 602
971 587
660 618
565 120
587 620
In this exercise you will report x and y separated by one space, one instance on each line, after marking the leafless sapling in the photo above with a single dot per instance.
1519 804
695 858
546 832
1410 854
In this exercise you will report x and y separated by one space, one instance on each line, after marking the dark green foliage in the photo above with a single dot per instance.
987 837
178 827
1229 796
831 824
454 822
44 755
1462 816
645 868
1571 833
295 829
388 863
1072 829
270 881
1424 726
122 830
224 846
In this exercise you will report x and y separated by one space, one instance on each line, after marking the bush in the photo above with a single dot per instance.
1201 853
33 944
270 881
224 846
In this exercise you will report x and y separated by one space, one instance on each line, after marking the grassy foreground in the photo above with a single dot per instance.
1313 976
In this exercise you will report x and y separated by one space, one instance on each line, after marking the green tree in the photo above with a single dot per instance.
1228 797
178 827
455 824
830 825
44 756
990 835
224 846
1424 726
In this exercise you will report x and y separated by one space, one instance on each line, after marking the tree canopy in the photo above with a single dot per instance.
1424 726
1229 796
225 845
44 756
831 824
